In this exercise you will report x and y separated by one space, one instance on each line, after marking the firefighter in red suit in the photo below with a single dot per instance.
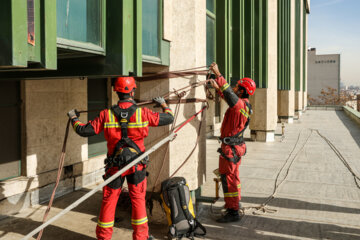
125 126
233 147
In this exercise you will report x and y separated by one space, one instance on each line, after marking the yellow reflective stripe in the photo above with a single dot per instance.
139 221
239 185
138 125
231 194
242 111
224 87
138 115
76 124
130 125
111 125
105 224
169 111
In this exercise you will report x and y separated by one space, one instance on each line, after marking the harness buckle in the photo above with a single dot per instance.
124 114
227 140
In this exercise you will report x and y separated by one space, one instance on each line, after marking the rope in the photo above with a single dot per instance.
340 156
61 165
179 95
262 208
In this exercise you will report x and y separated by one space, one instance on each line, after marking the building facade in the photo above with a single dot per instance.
323 74
59 55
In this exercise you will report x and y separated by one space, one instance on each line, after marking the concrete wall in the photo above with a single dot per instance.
299 96
187 50
305 93
264 101
286 98
323 72
46 104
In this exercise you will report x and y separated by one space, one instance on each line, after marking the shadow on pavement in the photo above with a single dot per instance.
24 226
352 126
268 227
298 204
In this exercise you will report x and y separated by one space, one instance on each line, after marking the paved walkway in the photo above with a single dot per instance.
316 197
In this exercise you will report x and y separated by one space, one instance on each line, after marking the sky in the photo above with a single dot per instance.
334 27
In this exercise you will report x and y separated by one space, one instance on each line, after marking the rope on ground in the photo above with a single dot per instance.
340 156
262 208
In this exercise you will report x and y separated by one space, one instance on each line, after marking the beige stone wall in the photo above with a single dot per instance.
264 101
286 98
187 50
305 93
299 94
46 103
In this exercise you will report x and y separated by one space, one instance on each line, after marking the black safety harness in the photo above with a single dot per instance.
123 116
237 139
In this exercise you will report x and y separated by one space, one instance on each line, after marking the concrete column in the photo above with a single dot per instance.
299 95
264 101
305 92
286 98
187 50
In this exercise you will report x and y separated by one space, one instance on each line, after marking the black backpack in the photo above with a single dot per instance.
179 209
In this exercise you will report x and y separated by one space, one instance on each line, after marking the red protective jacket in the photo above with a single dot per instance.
235 117
138 127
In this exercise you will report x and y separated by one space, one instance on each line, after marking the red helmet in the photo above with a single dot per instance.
248 84
124 84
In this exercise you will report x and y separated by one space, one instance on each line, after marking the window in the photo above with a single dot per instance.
150 28
210 31
10 138
97 99
79 21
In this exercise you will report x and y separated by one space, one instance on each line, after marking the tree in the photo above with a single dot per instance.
330 96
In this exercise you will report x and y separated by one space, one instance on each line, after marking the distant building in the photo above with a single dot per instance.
323 73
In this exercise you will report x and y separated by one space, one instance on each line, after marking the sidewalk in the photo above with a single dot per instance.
317 200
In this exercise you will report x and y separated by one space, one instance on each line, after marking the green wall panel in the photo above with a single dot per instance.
13 38
255 43
48 35
284 44
297 45
123 45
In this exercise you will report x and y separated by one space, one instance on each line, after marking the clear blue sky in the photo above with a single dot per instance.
334 27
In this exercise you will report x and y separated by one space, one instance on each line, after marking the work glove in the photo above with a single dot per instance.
73 113
159 100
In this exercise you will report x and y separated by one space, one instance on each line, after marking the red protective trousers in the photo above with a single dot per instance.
111 194
234 122
230 180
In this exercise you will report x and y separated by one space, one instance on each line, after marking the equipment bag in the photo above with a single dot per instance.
179 209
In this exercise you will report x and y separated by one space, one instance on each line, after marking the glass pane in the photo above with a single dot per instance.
10 137
150 30
210 5
210 40
79 20
97 99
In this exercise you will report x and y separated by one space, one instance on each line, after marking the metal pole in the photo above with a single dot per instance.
87 195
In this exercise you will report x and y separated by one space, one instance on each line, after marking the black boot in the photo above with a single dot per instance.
230 216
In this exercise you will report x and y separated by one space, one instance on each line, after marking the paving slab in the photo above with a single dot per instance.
317 198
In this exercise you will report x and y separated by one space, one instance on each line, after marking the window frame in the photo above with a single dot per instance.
212 15
164 45
87 47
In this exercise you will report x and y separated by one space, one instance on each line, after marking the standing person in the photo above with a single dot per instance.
233 147
125 126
